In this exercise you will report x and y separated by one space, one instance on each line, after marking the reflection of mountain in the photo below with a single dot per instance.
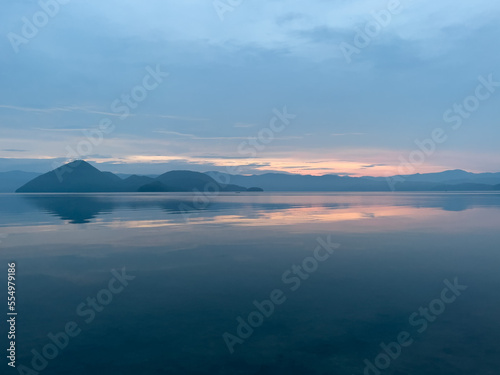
80 209
84 208
75 209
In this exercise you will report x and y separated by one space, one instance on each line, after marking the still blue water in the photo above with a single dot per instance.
196 271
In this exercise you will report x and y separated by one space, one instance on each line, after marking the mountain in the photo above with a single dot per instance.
81 177
255 189
154 187
124 176
457 180
10 181
75 177
134 182
441 177
294 182
451 177
464 187
186 181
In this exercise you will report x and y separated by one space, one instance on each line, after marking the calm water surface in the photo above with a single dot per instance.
198 271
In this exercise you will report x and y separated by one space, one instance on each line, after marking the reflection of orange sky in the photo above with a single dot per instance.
240 225
265 218
303 215
290 216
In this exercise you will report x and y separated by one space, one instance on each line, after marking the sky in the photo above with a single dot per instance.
314 87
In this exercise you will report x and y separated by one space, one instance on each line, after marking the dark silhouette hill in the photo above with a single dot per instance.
134 182
187 181
154 187
451 177
460 181
81 177
255 189
75 177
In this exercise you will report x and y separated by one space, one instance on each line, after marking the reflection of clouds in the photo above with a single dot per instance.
155 210
137 224
258 218
135 230
305 215
126 221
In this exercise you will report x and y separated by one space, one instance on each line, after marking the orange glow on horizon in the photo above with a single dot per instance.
285 165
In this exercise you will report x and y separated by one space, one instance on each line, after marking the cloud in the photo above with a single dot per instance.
192 136
224 157
59 130
182 118
289 17
97 112
37 110
226 78
323 34
97 156
346 134
373 166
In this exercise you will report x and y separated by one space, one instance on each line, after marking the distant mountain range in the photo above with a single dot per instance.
80 176
455 180
10 181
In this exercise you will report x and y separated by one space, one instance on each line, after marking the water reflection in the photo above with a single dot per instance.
195 277
83 208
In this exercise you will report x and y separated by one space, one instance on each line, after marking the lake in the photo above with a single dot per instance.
263 283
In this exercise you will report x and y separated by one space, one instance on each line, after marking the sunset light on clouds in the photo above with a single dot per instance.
177 97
